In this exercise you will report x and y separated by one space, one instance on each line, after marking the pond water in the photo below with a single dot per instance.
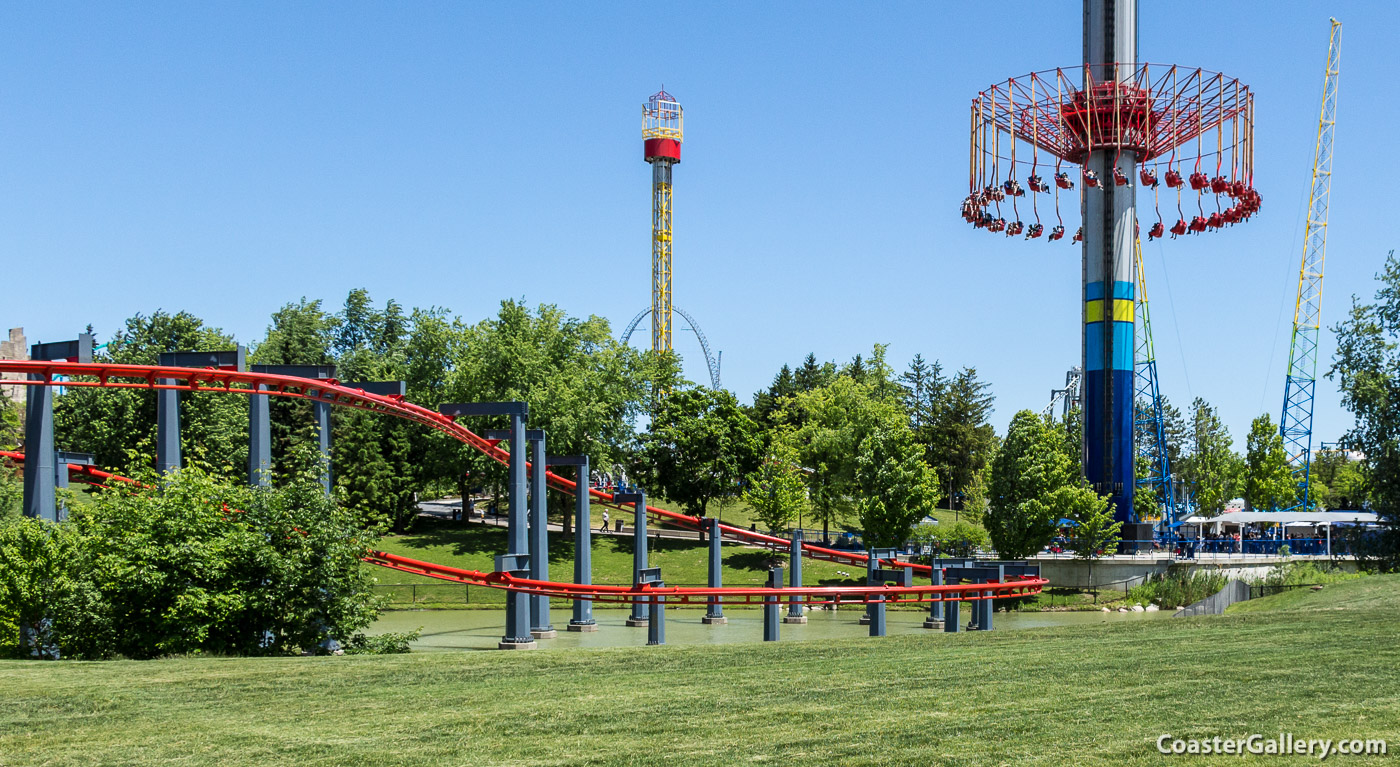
445 630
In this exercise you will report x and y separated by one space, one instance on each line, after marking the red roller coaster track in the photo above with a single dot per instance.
76 374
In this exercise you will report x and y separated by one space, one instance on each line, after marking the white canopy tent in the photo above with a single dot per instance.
1287 519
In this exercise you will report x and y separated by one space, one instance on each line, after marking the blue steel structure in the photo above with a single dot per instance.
1151 429
1295 425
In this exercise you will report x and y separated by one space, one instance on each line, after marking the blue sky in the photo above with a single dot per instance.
227 158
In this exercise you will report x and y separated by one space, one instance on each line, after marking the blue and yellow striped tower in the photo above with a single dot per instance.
1110 229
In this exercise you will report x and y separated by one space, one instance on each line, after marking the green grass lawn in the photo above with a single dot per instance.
474 547
1084 695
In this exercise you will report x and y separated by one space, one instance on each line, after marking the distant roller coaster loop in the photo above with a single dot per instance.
712 359
80 375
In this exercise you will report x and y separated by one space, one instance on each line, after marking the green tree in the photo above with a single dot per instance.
1269 482
897 489
1336 480
962 439
1029 468
699 445
35 560
1213 468
832 424
776 491
1094 532
11 431
301 333
1367 368
112 424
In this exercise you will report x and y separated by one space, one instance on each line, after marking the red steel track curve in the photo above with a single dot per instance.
155 377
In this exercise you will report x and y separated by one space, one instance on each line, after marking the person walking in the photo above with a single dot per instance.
604 528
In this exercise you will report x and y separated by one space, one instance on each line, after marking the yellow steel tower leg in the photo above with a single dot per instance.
661 256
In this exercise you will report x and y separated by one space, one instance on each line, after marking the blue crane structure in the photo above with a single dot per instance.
1154 470
1296 423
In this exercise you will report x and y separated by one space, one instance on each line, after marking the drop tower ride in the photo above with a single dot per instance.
1107 130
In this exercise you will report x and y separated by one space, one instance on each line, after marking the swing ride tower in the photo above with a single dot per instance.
1108 127
662 124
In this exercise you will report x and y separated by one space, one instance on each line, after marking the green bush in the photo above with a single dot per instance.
959 539
189 563
1177 589
1305 574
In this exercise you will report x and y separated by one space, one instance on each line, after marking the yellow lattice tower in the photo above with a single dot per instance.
662 122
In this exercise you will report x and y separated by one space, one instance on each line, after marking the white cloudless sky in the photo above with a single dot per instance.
229 158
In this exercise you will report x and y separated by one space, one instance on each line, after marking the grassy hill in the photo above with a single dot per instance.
682 562
1090 695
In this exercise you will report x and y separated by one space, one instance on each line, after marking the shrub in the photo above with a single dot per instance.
1177 589
191 563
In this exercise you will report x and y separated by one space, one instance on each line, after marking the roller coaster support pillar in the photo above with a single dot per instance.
61 460
639 548
871 565
517 534
771 606
259 440
950 617
323 427
39 491
656 606
168 400
260 425
935 610
877 576
540 627
715 613
795 614
582 619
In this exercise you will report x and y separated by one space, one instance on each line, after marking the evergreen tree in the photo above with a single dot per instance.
1213 470
961 437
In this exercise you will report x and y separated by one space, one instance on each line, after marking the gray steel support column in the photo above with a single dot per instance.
639 555
582 619
39 497
517 536
168 428
795 613
323 425
877 617
935 610
771 605
872 563
656 624
715 613
259 439
950 617
60 482
540 627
